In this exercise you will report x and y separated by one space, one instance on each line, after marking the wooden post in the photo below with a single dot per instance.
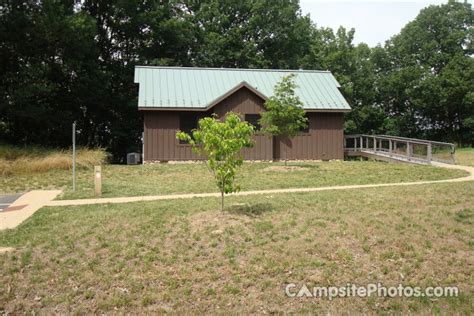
375 145
361 143
429 152
453 151
390 147
409 153
98 180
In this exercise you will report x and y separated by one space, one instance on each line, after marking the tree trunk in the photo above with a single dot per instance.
222 200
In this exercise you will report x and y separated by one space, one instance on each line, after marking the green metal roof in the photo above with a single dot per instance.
200 88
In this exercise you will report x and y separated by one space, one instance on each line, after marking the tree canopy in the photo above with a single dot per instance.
284 115
63 61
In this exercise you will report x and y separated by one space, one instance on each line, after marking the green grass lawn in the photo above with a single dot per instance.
465 156
186 256
119 180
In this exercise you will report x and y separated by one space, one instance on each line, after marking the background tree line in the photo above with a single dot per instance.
69 60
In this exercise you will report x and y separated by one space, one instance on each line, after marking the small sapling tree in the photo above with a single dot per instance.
220 143
284 116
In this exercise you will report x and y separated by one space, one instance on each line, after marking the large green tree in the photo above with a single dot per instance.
428 76
248 33
353 68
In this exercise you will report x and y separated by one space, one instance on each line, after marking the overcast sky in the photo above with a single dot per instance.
375 21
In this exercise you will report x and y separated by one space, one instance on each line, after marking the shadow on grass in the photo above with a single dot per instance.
247 209
302 164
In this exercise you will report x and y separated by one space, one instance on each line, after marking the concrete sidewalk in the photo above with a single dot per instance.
470 177
25 206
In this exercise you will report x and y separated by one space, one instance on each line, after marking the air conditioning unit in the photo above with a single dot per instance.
133 158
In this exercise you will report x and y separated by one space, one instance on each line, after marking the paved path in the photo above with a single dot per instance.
470 177
25 206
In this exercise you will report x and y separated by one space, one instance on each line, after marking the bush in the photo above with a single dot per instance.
14 160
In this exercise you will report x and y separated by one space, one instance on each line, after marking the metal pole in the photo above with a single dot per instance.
143 148
74 156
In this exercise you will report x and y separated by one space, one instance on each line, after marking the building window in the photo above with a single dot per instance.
253 119
306 129
187 122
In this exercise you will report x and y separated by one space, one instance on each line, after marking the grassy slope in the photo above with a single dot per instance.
186 256
178 178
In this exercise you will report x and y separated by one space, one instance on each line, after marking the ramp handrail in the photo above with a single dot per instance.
410 149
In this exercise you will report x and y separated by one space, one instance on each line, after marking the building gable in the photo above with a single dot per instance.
242 101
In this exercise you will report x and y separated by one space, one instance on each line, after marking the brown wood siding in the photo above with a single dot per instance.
244 102
160 137
324 140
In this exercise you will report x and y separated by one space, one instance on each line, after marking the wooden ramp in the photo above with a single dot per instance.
398 149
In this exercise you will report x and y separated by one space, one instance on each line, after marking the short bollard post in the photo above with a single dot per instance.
98 180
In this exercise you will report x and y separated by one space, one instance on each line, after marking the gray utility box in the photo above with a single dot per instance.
133 158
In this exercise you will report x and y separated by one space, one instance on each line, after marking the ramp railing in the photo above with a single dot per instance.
400 148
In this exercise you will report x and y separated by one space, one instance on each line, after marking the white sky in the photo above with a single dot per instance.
375 21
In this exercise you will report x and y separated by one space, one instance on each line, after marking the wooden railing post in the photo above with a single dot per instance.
453 151
361 143
375 144
390 147
409 150
429 153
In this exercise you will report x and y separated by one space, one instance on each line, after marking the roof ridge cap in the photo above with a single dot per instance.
234 69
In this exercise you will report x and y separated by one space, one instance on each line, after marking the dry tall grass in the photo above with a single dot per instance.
14 160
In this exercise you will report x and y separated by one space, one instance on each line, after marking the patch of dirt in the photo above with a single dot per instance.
284 168
6 249
218 220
